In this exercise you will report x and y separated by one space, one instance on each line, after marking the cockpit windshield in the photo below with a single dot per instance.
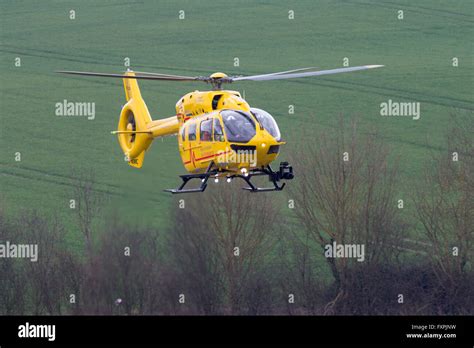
239 126
267 121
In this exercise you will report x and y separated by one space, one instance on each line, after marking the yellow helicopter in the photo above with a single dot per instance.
219 134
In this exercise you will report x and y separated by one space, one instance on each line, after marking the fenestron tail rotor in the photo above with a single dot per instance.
217 79
131 126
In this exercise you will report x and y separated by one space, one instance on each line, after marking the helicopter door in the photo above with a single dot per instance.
218 141
206 150
218 133
189 149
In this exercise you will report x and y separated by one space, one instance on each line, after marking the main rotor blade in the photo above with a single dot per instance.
137 76
236 78
165 75
304 74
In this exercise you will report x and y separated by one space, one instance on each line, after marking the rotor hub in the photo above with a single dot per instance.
218 75
217 79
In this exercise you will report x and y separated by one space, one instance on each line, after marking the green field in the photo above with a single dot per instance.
417 53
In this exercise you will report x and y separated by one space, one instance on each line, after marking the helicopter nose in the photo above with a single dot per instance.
264 145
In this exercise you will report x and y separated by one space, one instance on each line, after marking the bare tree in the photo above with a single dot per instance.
221 239
125 277
194 248
12 274
300 274
89 203
445 208
45 286
346 193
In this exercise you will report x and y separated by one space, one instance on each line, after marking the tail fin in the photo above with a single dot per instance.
133 135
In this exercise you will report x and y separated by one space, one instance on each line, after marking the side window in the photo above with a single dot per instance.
218 133
182 133
206 130
192 131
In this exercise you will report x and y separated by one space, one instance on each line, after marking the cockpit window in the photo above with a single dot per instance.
267 121
239 126
218 132
206 130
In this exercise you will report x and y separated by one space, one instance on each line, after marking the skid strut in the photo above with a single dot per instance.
187 177
285 173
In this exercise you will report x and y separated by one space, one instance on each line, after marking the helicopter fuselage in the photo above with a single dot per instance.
221 127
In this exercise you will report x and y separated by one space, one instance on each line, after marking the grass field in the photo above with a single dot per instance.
417 52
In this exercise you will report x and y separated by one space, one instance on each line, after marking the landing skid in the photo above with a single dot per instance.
285 173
